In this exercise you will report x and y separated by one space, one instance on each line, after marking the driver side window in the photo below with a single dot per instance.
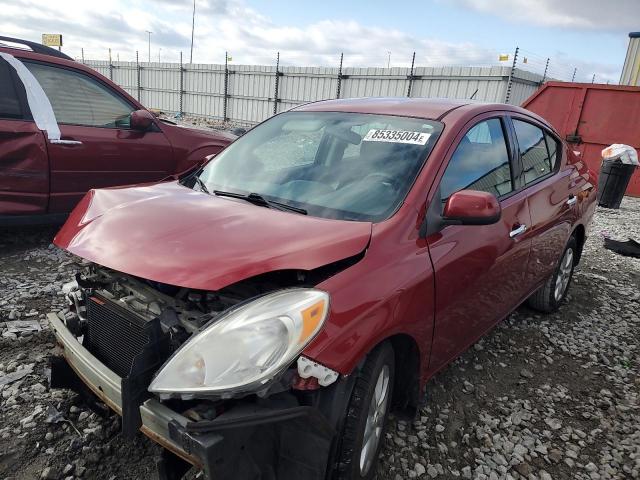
77 99
480 162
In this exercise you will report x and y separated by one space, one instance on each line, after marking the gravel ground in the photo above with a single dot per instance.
540 397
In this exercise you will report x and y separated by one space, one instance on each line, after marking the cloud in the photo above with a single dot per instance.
253 38
613 15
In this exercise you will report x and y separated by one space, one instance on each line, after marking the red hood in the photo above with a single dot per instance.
171 234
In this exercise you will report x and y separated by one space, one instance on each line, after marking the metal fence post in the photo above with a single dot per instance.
226 87
413 63
575 70
511 74
138 74
82 53
546 69
181 90
277 85
339 76
110 65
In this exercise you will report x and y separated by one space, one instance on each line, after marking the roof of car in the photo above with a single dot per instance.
428 108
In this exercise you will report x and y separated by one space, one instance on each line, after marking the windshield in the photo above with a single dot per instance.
337 165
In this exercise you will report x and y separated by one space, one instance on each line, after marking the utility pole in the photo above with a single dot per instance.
159 52
193 26
149 32
575 70
388 58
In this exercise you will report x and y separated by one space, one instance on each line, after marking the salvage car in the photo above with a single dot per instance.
66 129
261 316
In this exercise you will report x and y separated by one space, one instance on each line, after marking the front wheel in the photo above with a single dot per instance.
367 416
549 297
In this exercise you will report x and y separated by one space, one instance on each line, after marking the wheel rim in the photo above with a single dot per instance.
564 274
375 421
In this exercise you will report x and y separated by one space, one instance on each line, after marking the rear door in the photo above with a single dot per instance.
24 169
479 270
551 186
102 150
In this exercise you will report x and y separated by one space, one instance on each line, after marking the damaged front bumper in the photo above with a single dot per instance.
280 441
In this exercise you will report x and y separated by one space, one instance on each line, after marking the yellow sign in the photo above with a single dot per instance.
52 39
503 57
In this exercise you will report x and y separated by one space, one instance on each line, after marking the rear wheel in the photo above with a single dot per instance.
549 297
367 416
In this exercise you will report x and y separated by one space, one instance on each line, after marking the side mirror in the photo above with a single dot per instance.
141 120
472 207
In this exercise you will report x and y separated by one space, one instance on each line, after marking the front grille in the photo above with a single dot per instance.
114 335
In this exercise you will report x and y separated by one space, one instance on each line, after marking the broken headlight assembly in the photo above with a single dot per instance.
245 348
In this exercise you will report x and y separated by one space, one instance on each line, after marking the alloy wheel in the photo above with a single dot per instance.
375 421
564 274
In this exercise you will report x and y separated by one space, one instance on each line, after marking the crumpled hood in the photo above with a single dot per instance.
168 233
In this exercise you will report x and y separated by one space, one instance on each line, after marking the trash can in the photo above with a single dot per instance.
613 181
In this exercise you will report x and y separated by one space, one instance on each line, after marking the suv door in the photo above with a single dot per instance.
24 171
479 270
551 186
103 151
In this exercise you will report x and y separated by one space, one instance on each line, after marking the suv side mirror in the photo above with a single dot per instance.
472 207
141 120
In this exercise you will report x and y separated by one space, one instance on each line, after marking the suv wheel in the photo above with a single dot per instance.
367 414
549 297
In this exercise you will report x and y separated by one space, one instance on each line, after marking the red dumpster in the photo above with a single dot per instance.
591 117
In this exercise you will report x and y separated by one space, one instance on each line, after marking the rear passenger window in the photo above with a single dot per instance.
480 162
536 161
9 103
552 145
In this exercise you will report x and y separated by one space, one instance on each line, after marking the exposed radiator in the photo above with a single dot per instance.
114 335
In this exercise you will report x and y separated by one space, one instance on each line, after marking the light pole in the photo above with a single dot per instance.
388 58
159 52
149 32
193 25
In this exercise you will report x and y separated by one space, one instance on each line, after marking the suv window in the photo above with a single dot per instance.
9 103
536 161
480 162
78 99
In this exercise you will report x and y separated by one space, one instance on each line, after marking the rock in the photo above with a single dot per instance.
419 469
526 373
50 473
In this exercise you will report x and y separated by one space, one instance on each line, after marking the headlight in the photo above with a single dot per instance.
247 347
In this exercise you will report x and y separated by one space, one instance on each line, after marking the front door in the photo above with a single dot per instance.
479 270
100 149
24 171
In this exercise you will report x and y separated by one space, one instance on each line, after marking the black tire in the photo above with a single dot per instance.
350 449
544 299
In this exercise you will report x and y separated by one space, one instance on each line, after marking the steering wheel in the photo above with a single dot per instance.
385 179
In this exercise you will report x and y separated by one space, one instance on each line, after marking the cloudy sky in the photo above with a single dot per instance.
590 35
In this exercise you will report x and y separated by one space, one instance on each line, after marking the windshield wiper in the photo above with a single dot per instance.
202 185
258 199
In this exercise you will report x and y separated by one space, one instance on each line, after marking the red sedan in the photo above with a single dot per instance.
262 315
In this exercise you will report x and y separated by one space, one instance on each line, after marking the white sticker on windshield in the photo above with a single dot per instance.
396 136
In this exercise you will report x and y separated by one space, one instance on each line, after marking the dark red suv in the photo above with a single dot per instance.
65 129
259 317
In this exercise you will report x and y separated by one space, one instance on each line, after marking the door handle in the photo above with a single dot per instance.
572 200
517 231
66 142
